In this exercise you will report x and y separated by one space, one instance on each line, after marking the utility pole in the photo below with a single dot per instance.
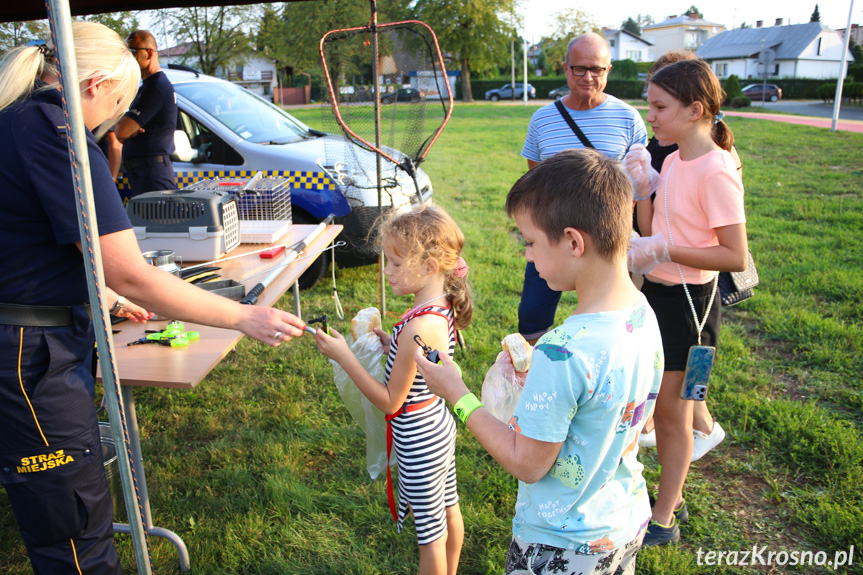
838 97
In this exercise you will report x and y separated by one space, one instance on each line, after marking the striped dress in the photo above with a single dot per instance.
425 446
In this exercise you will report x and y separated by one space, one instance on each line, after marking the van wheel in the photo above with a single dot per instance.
494 98
316 272
774 98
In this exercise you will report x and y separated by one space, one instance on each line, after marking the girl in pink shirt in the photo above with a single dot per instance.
695 228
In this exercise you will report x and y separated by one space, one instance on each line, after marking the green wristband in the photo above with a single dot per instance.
465 406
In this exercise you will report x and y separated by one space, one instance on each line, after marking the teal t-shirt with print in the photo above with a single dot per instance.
592 383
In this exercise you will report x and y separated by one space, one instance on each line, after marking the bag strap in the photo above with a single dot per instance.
571 123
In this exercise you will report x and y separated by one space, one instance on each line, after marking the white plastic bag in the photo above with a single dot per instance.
502 387
369 352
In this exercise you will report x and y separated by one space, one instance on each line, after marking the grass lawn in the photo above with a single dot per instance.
261 470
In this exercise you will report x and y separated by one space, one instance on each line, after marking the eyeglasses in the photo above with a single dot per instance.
595 71
132 49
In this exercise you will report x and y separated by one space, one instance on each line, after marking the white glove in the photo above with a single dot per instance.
646 253
645 180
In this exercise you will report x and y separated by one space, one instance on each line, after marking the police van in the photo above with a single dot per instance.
226 130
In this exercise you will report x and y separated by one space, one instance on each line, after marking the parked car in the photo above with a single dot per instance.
226 130
402 95
559 93
771 92
505 93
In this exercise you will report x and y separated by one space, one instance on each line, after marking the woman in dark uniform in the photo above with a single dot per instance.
50 458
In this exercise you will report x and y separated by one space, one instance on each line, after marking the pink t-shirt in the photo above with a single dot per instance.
703 194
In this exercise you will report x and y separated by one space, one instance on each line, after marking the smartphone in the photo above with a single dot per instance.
696 378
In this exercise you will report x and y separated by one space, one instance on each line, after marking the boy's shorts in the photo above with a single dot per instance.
676 323
538 559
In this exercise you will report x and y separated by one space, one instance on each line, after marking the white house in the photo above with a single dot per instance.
680 33
808 50
256 74
625 45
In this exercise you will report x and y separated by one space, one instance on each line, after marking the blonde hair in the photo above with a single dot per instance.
101 55
429 233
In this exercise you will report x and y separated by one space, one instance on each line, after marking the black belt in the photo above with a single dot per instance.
133 163
35 315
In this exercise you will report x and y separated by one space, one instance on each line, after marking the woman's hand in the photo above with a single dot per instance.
133 311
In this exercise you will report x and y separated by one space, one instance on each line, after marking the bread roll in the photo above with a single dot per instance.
365 322
519 350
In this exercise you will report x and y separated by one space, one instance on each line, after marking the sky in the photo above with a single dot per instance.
611 13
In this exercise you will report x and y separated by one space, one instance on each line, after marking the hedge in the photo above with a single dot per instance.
850 91
624 89
792 88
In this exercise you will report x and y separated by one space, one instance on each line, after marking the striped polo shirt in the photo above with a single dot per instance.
612 127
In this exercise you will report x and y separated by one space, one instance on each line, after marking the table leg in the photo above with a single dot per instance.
138 466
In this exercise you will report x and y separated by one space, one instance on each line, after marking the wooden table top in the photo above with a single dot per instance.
182 368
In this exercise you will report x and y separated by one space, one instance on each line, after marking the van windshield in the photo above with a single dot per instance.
248 116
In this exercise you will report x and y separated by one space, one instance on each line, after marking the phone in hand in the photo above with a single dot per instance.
696 378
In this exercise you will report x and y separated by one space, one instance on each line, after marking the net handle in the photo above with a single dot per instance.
332 93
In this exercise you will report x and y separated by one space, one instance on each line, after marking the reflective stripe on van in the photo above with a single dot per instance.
316 181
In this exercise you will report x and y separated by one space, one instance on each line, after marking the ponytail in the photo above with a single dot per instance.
459 294
20 68
722 135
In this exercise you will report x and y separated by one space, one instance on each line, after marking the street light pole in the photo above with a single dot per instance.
838 97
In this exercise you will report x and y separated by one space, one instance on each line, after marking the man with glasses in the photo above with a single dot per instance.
604 122
147 129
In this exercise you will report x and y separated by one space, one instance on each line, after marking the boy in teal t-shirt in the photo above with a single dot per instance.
572 442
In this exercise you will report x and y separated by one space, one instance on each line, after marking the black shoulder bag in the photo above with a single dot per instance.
571 123
734 287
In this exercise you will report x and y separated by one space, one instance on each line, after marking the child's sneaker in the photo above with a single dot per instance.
661 534
647 439
681 513
703 442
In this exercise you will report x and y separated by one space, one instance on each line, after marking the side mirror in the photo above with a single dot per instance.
183 151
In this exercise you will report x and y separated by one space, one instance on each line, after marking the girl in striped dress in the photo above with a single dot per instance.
422 249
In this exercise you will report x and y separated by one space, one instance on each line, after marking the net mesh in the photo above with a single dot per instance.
416 103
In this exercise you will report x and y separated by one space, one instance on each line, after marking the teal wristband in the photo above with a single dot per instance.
465 406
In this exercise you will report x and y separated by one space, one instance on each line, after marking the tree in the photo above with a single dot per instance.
570 23
475 33
816 15
645 20
631 26
14 34
123 23
732 88
218 35
694 12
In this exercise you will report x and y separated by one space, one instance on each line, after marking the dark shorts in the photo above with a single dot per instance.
676 323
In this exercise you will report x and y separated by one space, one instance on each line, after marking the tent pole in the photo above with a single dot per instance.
61 27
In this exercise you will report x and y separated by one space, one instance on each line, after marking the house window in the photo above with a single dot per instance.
776 70
818 49
634 55
721 70
611 43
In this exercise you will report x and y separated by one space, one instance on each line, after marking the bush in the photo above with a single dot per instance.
624 69
827 92
852 90
741 102
732 89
